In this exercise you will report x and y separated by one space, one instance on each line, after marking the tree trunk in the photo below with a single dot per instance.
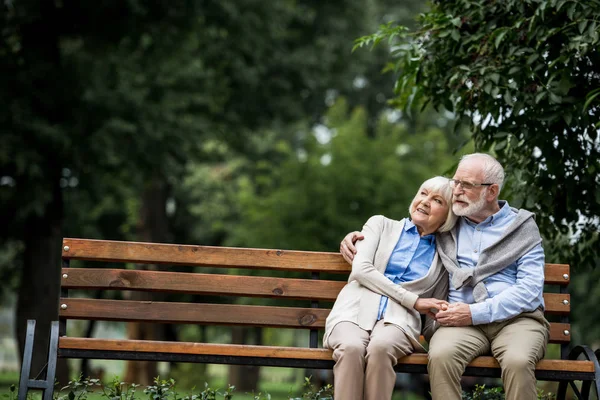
153 227
40 281
245 377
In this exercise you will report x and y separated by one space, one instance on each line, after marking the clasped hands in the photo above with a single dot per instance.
446 314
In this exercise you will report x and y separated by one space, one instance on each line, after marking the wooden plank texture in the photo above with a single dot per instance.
557 274
196 283
229 257
279 352
192 313
156 253
229 285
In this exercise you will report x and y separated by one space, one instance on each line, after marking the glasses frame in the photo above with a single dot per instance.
469 185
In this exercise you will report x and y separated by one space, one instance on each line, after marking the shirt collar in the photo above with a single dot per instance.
409 226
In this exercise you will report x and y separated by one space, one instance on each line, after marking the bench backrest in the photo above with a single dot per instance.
318 278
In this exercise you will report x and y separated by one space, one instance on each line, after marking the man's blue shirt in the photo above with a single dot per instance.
517 288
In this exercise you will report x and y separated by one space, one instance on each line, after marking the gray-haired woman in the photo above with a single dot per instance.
396 274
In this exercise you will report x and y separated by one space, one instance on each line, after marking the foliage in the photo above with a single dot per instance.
165 389
481 392
523 75
335 180
312 393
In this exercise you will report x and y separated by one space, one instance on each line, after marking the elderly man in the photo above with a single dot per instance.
496 264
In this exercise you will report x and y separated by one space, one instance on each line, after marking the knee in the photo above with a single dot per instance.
518 363
378 350
352 349
442 354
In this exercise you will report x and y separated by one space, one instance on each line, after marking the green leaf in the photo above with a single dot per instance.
495 77
464 68
508 98
591 96
487 87
456 21
540 96
581 26
568 117
455 35
499 37
532 58
513 70
500 145
555 99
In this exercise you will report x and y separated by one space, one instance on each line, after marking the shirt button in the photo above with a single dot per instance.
478 229
475 251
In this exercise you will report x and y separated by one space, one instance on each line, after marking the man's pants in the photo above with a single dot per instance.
364 361
518 344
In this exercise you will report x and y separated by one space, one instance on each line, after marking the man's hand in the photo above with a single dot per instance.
457 314
430 306
347 246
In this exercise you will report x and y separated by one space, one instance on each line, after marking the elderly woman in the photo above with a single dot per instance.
396 274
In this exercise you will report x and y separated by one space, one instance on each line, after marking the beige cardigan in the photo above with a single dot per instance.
358 301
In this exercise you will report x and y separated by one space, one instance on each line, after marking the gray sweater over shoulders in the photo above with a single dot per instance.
519 238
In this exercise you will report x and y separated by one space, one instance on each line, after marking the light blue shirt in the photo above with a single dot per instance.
516 289
410 259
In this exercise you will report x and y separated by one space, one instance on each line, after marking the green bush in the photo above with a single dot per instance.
164 390
497 393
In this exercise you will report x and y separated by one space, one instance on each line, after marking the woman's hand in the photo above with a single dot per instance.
430 306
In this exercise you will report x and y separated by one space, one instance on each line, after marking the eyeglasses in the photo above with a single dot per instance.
466 185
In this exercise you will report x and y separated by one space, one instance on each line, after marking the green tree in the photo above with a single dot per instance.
522 75
336 180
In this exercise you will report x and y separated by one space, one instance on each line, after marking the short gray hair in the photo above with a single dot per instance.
441 185
493 172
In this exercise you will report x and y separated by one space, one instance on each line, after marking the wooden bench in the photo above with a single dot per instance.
314 289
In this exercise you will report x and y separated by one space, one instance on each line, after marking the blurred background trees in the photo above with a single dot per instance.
251 123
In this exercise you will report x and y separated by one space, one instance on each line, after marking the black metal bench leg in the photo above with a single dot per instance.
577 351
46 385
26 364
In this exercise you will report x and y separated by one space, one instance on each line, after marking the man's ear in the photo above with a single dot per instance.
493 191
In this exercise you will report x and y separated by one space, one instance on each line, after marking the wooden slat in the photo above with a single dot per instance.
555 274
213 284
195 283
557 332
279 352
155 253
555 303
192 313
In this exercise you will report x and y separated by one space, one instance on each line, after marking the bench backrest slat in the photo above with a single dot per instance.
223 257
197 283
234 285
193 313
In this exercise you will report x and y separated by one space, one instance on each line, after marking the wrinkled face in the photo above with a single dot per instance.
467 202
428 210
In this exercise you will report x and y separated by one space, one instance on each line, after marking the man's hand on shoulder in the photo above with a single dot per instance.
457 314
347 246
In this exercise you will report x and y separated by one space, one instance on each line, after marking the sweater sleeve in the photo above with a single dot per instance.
364 271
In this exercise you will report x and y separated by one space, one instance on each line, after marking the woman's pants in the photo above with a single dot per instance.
364 361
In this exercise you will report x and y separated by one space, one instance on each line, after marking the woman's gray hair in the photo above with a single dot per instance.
441 185
493 172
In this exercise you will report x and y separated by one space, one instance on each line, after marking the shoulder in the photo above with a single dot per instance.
382 223
383 220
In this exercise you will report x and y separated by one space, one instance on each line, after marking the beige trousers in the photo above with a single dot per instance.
364 361
518 344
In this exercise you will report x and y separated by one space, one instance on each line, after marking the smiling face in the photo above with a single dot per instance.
428 211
